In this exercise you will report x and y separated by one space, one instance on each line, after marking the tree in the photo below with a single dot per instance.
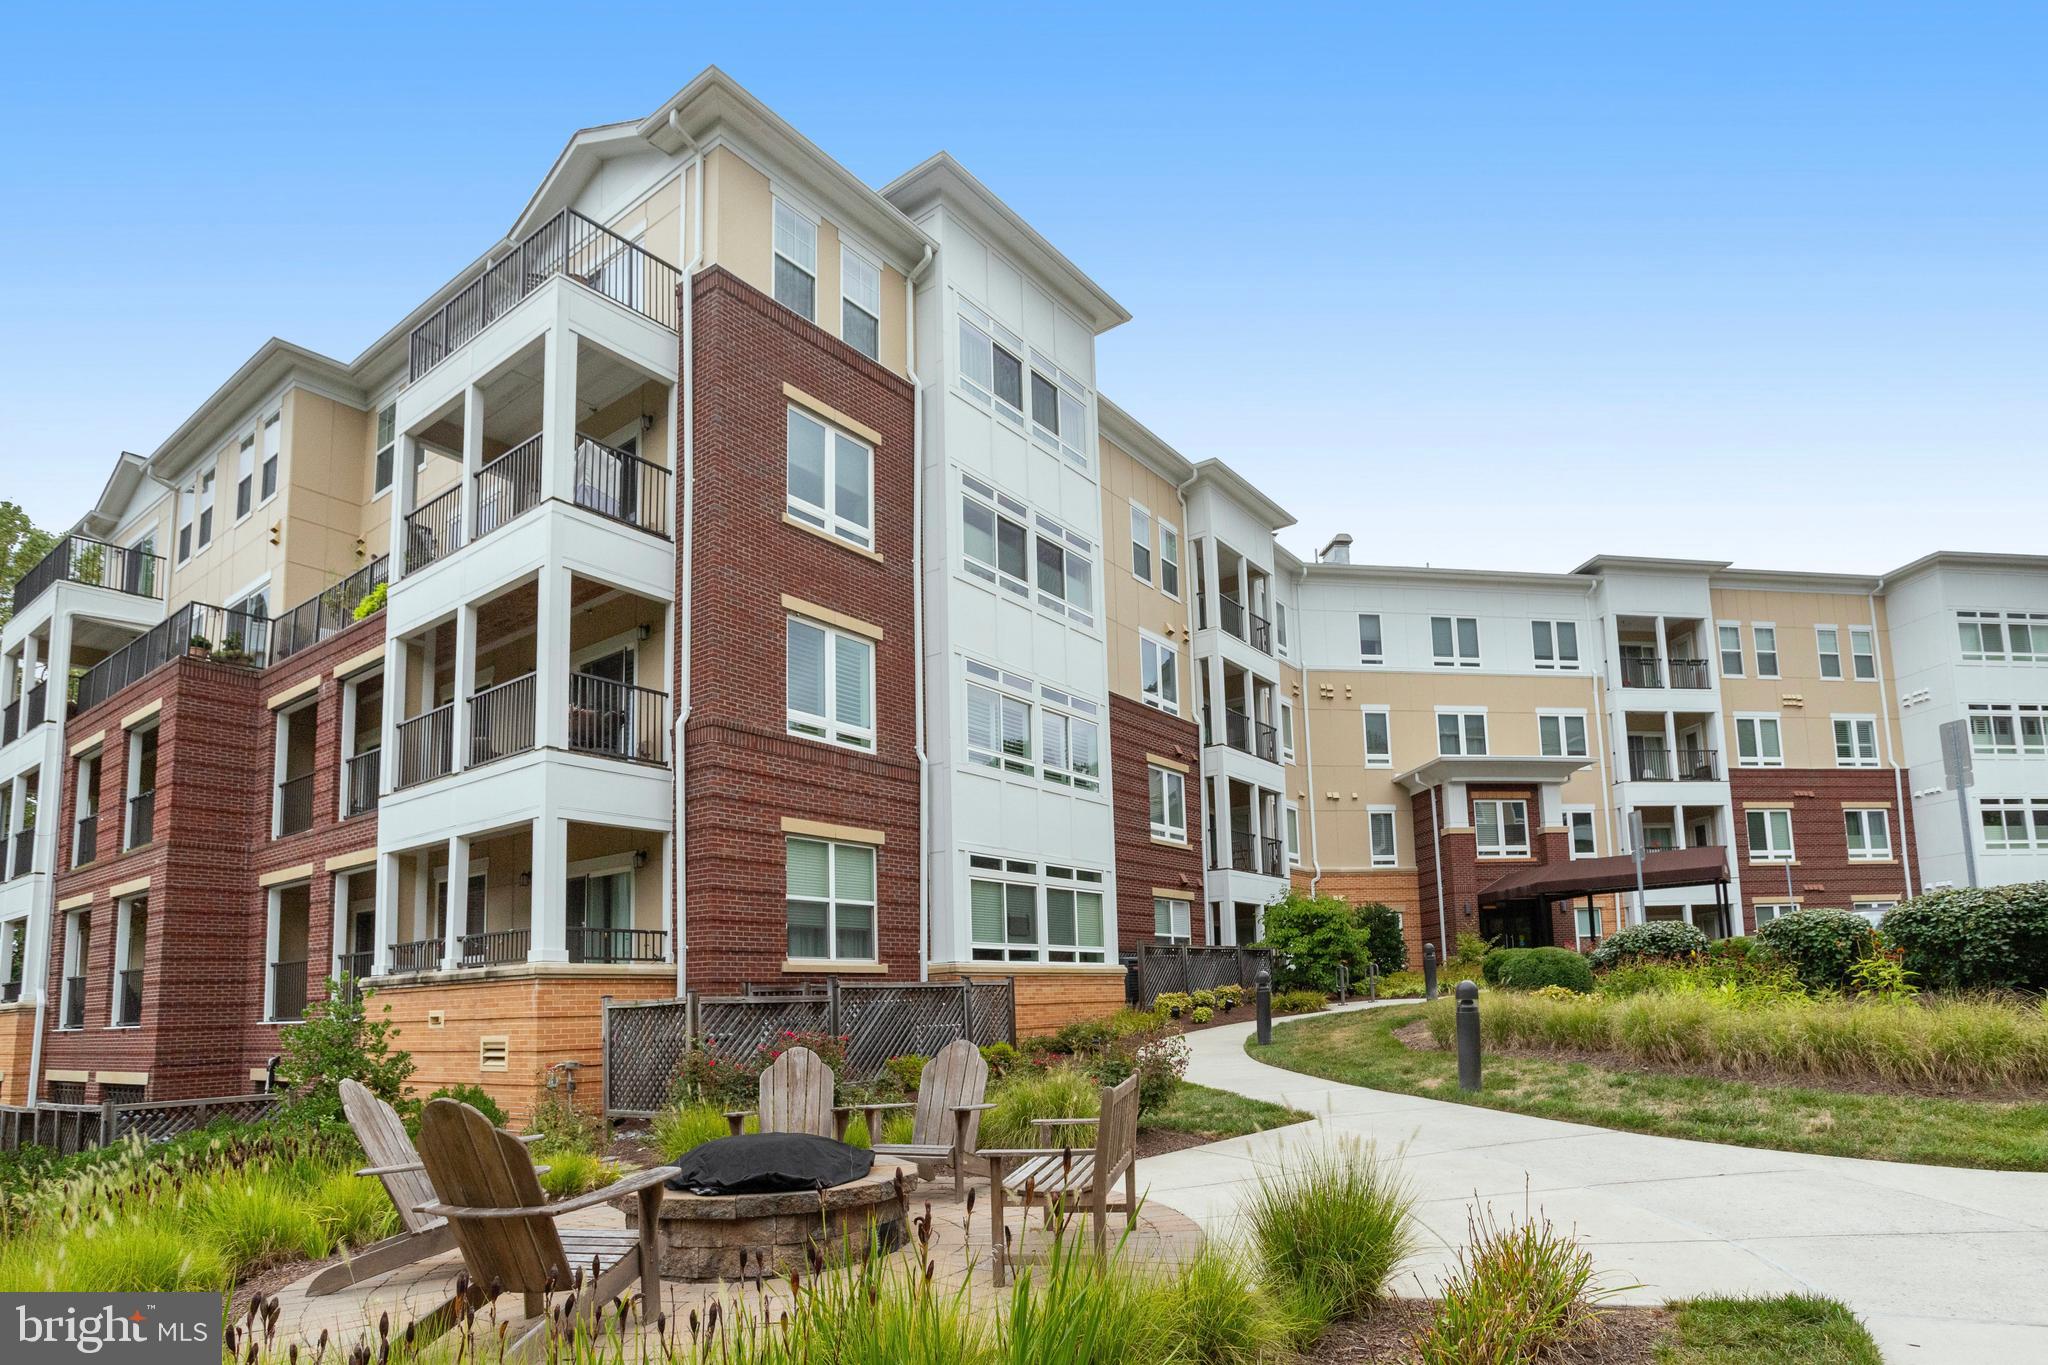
339 1040
1309 936
1380 928
22 545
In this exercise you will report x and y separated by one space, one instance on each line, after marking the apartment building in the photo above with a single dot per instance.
452 667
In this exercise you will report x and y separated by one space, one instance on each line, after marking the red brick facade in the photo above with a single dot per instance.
1822 872
743 773
201 1029
1452 859
1137 731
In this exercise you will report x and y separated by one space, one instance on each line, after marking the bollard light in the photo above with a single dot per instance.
1264 996
1429 971
1468 1036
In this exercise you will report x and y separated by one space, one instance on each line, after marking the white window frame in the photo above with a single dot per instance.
1015 703
1457 658
1072 548
384 461
1069 433
833 899
124 938
1286 731
1379 630
1374 817
270 459
1546 636
1858 756
1385 758
1169 563
1001 508
187 520
798 223
1757 648
1070 716
827 728
1756 720
852 261
1573 815
1290 822
207 496
1827 644
1166 659
1863 822
1043 883
1980 621
77 959
1722 650
1862 654
828 519
1505 848
1179 928
1563 717
2029 814
1160 784
2025 727
245 479
1141 541
1769 851
1465 714
979 336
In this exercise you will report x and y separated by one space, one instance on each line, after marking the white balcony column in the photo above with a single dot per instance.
1663 656
472 458
549 902
465 685
31 653
348 745
1254 816
397 660
551 659
338 924
405 490
668 896
422 898
1215 699
1671 744
384 929
1212 581
1716 740
558 409
10 671
458 902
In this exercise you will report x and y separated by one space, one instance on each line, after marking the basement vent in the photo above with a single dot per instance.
494 1054
436 1018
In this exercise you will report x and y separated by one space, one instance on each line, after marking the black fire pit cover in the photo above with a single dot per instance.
769 1163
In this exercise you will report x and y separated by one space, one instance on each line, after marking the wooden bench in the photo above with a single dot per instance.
1084 1177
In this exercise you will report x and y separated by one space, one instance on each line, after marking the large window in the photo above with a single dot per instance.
188 498
1292 816
796 261
1169 792
1827 645
2009 729
2010 637
1170 919
1561 734
999 719
1071 730
1286 732
1017 915
860 312
1454 641
1855 741
1757 743
1556 643
206 509
1066 571
1731 649
831 479
1502 828
1058 413
830 898
1862 654
1380 825
1584 831
831 684
994 537
2014 824
1770 836
1869 834
991 364
1379 747
1159 673
1461 733
1372 647
1169 567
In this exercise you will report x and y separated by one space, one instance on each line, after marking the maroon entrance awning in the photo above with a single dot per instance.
1704 866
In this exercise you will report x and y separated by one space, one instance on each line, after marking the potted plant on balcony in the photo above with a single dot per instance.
199 647
231 651
372 603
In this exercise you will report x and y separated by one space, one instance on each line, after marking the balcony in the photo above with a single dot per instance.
24 860
419 955
597 944
10 723
426 746
1233 613
141 818
1654 763
620 485
508 487
1690 674
567 244
433 531
74 1002
129 996
1262 857
353 968
287 990
194 630
85 839
95 563
495 948
328 614
1262 633
363 774
295 805
617 720
501 721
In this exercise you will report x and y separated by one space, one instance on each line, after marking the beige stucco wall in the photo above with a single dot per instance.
1129 604
1805 702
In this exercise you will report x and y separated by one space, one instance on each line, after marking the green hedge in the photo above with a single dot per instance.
1993 938
1657 939
1529 969
1820 945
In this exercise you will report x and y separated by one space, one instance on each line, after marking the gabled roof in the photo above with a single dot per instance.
275 361
1142 442
941 179
115 496
1244 493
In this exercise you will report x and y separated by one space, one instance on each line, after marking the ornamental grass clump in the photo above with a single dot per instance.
1333 1225
1521 1292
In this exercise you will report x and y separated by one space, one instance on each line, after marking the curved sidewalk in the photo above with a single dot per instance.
1943 1264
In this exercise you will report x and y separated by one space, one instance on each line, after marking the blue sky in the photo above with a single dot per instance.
1496 286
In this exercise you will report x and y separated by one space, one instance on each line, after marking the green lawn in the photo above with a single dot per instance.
1360 1049
1218 1113
1793 1330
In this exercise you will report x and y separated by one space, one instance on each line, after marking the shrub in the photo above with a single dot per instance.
1555 993
1201 1014
339 1040
1820 945
1001 1058
1333 1226
1496 962
1657 940
1532 968
1991 938
1159 1064
257 1222
560 1124
1519 1293
1083 1035
1299 1002
1467 949
477 1098
373 602
1379 932
1309 936
1399 985
570 1171
1205 1000
1057 1092
1173 1003
1212 1313
905 1072
681 1130
1129 1023
1229 997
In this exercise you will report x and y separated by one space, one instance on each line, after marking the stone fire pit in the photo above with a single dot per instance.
728 1236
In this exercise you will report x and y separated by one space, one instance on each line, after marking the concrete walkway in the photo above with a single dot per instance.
1943 1264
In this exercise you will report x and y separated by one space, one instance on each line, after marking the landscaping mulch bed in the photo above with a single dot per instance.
1416 1037
1160 1141
269 1280
1625 1336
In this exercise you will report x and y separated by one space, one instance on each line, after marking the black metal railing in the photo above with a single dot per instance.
508 487
1262 856
501 720
295 805
1233 615
74 1002
1697 765
620 485
95 563
85 839
434 530
1266 738
425 746
589 943
1640 672
1649 763
288 990
420 955
10 723
495 947
1201 611
130 997
1262 633
617 719
10 991
567 244
352 968
36 709
24 861
327 614
141 818
193 630
1237 730
365 771
1691 673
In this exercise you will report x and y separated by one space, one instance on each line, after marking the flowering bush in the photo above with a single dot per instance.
708 1075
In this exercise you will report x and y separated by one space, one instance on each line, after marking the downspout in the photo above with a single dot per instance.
1593 678
685 525
1187 606
1308 755
1436 839
924 914
1884 703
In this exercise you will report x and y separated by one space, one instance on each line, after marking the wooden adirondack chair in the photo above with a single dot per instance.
796 1097
505 1226
1084 1177
393 1161
948 1112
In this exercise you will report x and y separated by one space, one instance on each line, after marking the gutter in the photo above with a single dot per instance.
1436 839
1884 703
1594 679
688 421
924 762
1308 758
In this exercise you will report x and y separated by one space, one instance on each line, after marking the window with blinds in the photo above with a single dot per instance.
796 261
998 725
831 685
830 900
830 480
860 291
